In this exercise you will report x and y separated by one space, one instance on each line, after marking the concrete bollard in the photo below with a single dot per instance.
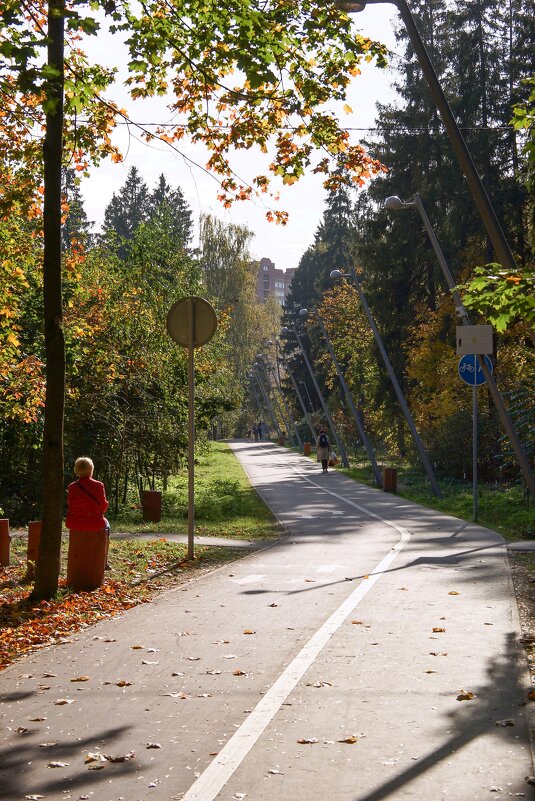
151 501
390 479
86 560
5 542
306 448
34 540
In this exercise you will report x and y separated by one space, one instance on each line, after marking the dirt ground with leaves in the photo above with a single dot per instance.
523 572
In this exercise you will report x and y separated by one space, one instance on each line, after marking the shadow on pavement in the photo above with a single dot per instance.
473 719
18 779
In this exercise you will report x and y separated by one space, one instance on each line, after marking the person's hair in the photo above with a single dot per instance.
83 466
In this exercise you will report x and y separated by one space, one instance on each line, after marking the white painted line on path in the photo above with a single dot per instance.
217 774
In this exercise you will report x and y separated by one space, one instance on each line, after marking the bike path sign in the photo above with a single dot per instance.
470 370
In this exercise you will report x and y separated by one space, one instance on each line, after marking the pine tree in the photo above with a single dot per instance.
126 211
164 198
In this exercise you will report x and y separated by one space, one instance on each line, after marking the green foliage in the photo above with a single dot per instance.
502 297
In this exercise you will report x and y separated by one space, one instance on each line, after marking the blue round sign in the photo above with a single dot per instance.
470 370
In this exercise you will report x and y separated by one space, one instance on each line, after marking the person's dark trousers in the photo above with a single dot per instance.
324 463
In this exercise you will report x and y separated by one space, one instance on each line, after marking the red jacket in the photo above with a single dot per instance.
85 512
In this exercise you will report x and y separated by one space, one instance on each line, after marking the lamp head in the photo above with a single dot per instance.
393 203
269 343
303 313
349 6
334 275
285 330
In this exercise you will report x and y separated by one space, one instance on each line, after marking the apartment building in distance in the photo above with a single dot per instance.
273 281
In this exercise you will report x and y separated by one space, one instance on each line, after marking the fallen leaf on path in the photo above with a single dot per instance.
33 797
406 589
96 766
137 647
50 675
63 701
194 658
272 605
81 678
178 673
430 671
97 757
350 740
153 745
229 656
120 757
204 695
357 622
438 653
438 629
453 592
465 695
57 765
147 662
47 745
249 631
275 772
213 672
308 740
36 720
239 672
152 650
507 722
310 581
123 683
318 684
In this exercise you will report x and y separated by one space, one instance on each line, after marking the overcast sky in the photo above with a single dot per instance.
304 201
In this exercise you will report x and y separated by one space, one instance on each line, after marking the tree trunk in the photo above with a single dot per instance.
47 572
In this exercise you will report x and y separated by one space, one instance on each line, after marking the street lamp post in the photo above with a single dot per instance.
263 364
394 203
481 199
276 378
339 443
299 396
335 274
345 389
267 400
304 384
281 408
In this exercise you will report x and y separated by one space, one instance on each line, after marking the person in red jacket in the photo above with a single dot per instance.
86 502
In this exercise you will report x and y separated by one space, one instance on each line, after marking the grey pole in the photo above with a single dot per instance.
297 437
308 395
256 398
356 416
268 403
394 204
276 402
390 370
300 398
324 406
474 451
481 199
191 430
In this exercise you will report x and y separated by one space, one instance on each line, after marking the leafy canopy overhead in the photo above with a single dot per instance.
238 74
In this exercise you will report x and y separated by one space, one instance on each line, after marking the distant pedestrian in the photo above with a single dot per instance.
265 431
323 448
86 502
260 430
255 432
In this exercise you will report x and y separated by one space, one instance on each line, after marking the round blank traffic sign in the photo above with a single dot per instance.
191 322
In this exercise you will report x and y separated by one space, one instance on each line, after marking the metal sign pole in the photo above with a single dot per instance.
191 322
191 430
474 448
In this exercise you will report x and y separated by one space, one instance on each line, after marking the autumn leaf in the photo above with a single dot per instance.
249 631
437 629
57 764
153 745
123 683
63 701
453 592
81 678
307 740
465 695
350 740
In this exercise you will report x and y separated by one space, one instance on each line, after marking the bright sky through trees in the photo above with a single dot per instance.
304 200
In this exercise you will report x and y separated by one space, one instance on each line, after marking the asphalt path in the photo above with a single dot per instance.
373 653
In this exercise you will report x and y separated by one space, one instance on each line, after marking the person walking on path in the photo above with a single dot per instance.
255 432
323 448
87 502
